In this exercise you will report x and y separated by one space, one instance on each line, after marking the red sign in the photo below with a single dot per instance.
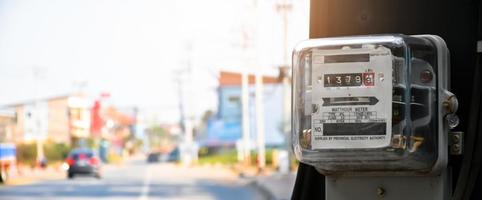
96 122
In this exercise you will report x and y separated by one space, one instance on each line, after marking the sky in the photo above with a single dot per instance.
137 49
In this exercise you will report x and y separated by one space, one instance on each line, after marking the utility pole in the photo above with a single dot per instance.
188 123
39 136
179 85
245 44
260 121
188 148
245 115
284 8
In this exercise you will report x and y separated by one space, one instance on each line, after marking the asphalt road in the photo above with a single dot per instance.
140 181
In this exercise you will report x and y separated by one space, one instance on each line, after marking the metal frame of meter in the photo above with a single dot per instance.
435 186
351 97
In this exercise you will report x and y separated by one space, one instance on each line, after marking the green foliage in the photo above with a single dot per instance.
56 152
268 156
83 142
138 143
226 157
158 136
231 157
27 154
158 131
203 151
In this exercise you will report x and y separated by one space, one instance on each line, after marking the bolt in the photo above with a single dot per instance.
380 192
314 108
456 138
426 76
456 147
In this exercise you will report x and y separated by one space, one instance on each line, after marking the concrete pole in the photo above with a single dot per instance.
287 115
37 74
40 149
260 121
284 8
188 145
189 150
245 117
189 130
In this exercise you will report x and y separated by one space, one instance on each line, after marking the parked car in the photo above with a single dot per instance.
174 155
153 157
83 161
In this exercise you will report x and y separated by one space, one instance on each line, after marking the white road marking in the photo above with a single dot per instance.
145 186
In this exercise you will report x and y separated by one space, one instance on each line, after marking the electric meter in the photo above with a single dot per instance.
372 104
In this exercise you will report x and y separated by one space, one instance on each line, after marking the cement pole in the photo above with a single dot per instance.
287 113
260 121
245 115
284 8
37 73
188 147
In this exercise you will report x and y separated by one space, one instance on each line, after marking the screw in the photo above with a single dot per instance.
456 147
456 138
426 76
380 192
314 108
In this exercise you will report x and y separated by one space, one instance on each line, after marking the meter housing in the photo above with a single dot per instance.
371 104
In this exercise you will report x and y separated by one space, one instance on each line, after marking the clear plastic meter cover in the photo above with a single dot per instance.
367 104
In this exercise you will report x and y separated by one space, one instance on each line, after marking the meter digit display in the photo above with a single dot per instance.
343 80
368 79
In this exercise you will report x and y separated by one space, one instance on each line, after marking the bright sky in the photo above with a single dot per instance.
134 49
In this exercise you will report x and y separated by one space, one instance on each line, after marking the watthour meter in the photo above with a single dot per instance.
372 104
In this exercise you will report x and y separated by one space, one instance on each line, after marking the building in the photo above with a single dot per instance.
110 127
59 119
7 125
225 128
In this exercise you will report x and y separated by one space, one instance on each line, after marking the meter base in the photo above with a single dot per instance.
388 187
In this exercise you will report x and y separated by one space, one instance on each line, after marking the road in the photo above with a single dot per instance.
141 181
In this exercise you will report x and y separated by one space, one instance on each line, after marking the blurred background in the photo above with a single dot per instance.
176 99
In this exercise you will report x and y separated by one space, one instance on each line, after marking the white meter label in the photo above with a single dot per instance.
352 98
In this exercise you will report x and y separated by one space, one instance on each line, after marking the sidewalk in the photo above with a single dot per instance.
273 185
277 186
30 175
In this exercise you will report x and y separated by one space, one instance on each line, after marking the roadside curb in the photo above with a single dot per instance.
276 186
27 177
263 190
19 182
